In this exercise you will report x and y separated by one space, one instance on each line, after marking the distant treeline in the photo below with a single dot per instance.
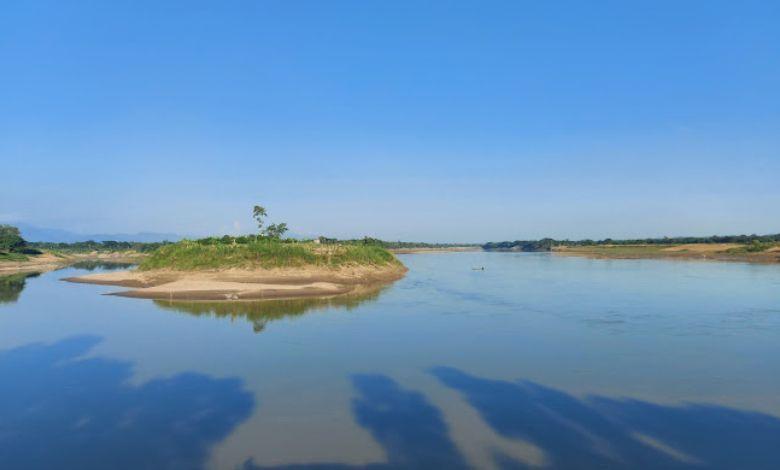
390 245
547 244
102 246
108 246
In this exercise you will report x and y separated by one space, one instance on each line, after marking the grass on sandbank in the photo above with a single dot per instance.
754 247
262 252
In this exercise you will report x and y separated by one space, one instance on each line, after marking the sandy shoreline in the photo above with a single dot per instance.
238 284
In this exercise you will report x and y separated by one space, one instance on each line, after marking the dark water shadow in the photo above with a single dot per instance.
412 432
11 286
59 411
602 432
262 312
573 433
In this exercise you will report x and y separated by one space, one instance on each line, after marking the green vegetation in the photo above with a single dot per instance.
12 246
266 250
755 242
13 257
754 247
11 240
261 252
276 231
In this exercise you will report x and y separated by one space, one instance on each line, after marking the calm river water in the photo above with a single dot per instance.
535 361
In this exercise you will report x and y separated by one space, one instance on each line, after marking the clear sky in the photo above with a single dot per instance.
415 120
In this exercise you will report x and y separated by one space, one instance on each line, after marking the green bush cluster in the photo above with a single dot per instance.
262 252
11 240
754 247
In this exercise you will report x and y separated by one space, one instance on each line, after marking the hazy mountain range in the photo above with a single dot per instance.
40 234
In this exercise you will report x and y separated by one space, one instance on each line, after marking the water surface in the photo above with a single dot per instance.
536 361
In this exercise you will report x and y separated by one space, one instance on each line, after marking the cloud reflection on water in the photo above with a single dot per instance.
61 411
591 433
602 432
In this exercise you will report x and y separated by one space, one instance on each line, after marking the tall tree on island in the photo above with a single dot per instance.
259 213
275 231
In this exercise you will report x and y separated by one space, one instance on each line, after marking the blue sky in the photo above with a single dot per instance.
416 120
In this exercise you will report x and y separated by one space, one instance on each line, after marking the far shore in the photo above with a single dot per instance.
700 251
444 249
245 284
52 261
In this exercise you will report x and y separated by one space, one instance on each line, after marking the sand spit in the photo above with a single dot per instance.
236 284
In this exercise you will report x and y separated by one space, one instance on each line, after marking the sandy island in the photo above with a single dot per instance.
245 284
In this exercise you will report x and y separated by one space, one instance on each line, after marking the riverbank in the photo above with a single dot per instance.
246 284
700 251
50 261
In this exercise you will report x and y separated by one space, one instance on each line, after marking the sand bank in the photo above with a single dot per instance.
239 284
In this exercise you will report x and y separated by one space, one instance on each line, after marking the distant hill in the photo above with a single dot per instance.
40 234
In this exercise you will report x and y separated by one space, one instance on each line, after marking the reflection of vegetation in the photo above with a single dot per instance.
101 264
13 285
260 312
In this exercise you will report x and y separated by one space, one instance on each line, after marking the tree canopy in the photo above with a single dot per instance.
259 213
11 239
